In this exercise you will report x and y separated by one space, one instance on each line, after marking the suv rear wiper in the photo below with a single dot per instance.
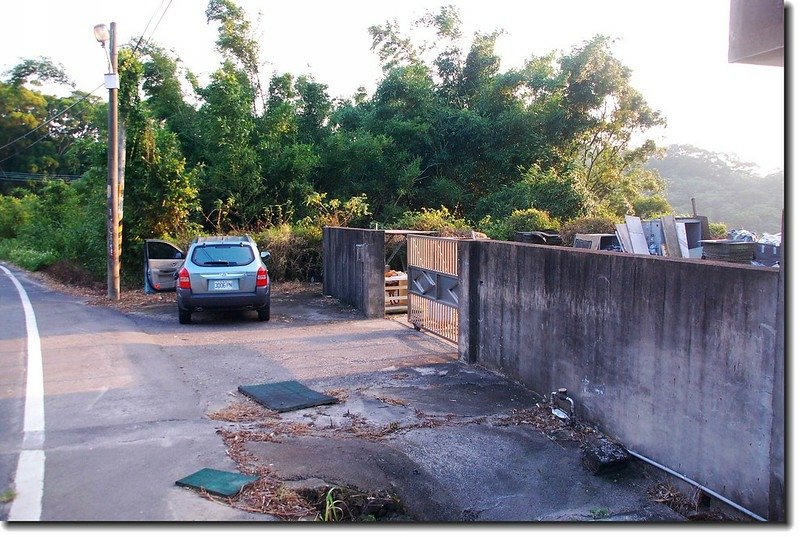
217 263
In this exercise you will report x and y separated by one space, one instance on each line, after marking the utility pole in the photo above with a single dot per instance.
112 84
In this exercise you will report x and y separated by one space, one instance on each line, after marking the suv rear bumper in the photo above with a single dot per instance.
222 301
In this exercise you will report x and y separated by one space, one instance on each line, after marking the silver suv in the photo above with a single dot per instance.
217 274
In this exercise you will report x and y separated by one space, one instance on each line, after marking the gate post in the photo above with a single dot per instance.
371 265
468 307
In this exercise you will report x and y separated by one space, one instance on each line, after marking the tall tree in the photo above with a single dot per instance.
39 130
232 180
161 193
604 112
236 41
163 83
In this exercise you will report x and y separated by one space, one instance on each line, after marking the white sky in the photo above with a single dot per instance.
677 50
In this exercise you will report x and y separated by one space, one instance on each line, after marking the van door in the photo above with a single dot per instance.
162 261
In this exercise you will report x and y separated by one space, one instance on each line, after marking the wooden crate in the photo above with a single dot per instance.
396 293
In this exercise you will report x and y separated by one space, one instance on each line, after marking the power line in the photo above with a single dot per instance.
50 120
141 37
159 22
42 137
22 177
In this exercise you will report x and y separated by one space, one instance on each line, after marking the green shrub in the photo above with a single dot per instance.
15 212
585 225
295 251
718 230
23 256
519 220
334 212
544 190
441 220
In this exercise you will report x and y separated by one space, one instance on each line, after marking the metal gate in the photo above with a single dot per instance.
433 285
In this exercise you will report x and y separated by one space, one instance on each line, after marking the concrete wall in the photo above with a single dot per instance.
674 358
352 265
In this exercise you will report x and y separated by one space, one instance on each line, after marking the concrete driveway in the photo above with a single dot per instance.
436 439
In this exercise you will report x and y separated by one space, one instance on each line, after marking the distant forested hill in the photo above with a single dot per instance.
725 189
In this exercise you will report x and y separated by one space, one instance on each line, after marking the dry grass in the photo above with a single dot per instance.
268 495
541 417
340 395
244 411
688 506
391 401
671 497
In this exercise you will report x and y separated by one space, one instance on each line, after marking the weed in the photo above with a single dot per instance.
7 496
600 512
333 510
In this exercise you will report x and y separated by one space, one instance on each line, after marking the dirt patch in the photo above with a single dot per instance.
253 424
70 273
346 504
271 495
70 279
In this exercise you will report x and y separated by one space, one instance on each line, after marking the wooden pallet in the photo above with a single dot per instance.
396 294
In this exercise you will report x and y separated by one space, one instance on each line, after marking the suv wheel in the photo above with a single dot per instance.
263 313
184 316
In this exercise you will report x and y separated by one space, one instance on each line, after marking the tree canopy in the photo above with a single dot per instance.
446 128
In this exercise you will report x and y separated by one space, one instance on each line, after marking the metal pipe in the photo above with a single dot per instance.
698 485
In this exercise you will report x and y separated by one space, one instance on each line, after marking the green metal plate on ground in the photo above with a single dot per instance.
217 482
286 396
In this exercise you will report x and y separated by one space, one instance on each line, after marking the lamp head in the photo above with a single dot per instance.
101 34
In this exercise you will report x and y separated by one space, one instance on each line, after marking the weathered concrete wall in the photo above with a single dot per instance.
352 261
675 358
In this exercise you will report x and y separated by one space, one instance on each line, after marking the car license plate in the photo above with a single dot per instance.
224 285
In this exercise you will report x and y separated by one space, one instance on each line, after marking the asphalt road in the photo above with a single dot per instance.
126 395
126 399
121 421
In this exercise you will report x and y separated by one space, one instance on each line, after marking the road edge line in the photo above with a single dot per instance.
29 478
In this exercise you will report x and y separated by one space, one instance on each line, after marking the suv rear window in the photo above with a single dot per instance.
222 255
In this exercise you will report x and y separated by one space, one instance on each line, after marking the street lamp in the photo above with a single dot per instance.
103 36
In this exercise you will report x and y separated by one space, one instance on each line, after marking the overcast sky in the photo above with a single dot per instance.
677 50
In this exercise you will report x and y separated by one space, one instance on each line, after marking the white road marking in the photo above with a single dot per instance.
29 480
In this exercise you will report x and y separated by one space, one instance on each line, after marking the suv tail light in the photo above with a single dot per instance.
183 279
262 278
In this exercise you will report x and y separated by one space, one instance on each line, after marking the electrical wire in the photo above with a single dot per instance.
50 120
42 137
157 23
25 176
141 37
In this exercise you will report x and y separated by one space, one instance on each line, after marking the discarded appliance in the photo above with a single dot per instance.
597 241
666 236
767 255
